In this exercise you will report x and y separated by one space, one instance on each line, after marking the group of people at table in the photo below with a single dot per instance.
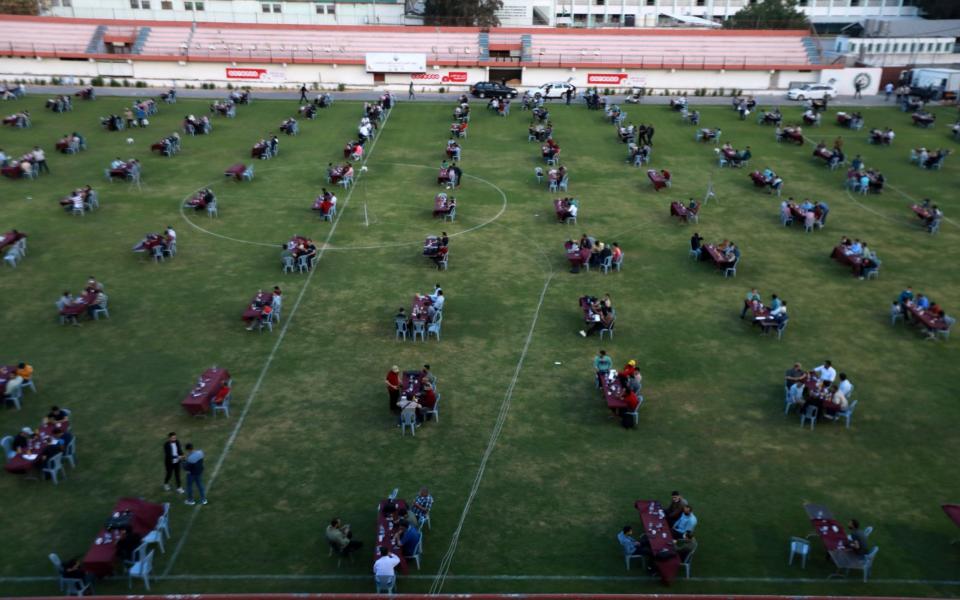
266 148
31 449
412 394
80 200
769 317
71 143
930 214
264 309
598 314
621 390
92 301
158 245
805 213
861 258
923 311
724 255
193 125
767 178
926 159
168 145
19 120
29 165
822 387
589 252
124 169
667 537
426 308
399 536
326 204
298 251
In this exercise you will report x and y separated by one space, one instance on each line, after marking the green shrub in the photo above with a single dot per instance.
114 83
341 87
126 83
442 89
97 81
229 86
140 84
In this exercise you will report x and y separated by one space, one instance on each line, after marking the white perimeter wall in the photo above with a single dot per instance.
451 78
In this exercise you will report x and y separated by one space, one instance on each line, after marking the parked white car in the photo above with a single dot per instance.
556 89
812 91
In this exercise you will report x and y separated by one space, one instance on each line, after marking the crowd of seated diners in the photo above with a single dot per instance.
925 159
863 180
266 148
338 173
461 112
92 299
832 157
326 204
706 134
353 150
112 122
767 179
444 205
811 117
308 111
197 126
531 100
123 169
869 261
557 177
816 105
27 165
540 132
852 120
637 155
749 102
376 111
770 117
883 137
805 213
71 143
594 100
459 128
453 149
80 200
170 96
679 103
290 126
300 250
240 96
791 133
201 199
324 100
932 215
614 114
20 119
167 146
598 313
540 114
224 108
550 150
59 104
728 155
566 209
9 93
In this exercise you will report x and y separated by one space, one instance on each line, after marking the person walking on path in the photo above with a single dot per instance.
410 94
303 94
172 457
887 91
194 468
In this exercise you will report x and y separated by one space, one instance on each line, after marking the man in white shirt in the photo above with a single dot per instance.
844 386
385 566
171 234
41 158
438 300
572 210
825 372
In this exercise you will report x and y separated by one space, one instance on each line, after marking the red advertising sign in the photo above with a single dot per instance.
450 77
238 73
606 78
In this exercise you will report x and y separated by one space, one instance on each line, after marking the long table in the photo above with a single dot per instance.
929 320
254 308
148 243
578 257
953 513
100 558
855 261
613 393
441 205
7 372
832 535
235 171
418 309
10 238
199 399
24 463
657 531
79 304
385 534
921 212
715 256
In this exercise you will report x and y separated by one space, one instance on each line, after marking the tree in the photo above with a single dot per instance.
463 13
940 9
19 7
769 14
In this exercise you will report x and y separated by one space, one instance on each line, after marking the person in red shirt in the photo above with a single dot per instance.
393 387
428 398
630 397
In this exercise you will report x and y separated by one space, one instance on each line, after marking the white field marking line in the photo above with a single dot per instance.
270 357
911 199
437 584
598 578
503 209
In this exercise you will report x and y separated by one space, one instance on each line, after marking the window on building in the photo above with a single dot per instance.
134 3
277 8
331 9
198 5
145 4
67 3
265 8
54 2
854 2
853 47
651 2
599 2
580 19
701 2
913 47
166 4
804 2
319 8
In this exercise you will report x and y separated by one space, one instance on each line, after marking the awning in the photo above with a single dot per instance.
690 20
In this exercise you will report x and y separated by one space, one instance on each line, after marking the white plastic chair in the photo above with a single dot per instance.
408 420
799 547
687 561
141 569
847 414
435 411
7 444
223 407
809 414
434 328
70 455
156 536
54 467
417 552
14 396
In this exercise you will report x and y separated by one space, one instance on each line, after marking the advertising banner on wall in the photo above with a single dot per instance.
615 79
256 74
437 77
396 62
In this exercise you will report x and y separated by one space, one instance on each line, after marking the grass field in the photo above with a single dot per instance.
316 439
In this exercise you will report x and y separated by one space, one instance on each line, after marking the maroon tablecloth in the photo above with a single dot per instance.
235 171
921 212
823 152
657 531
262 298
441 205
20 464
386 525
100 558
855 262
716 257
929 320
79 304
657 180
443 176
418 310
831 533
613 393
577 257
197 401
337 173
953 512
148 243
10 238
7 372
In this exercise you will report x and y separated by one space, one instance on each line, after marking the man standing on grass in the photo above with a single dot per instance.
194 467
172 456
887 91
602 365
303 94
410 94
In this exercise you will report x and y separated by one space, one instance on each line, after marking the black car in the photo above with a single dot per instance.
492 89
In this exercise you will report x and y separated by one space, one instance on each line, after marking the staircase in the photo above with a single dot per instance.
812 47
96 42
483 41
142 35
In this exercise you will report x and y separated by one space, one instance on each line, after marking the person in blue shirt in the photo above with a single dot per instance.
856 248
906 295
631 546
602 364
807 205
923 302
408 537
686 522
775 302
752 296
824 210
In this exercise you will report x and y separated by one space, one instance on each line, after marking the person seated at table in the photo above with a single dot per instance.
632 546
825 373
795 374
696 242
686 522
858 543
810 116
410 408
23 439
731 252
127 543
753 296
340 537
56 415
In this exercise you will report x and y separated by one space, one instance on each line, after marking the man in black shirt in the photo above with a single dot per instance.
172 456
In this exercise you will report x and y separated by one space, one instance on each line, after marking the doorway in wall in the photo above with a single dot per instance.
508 76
